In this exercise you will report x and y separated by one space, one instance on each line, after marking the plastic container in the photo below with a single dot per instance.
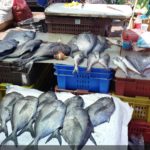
76 25
98 80
137 127
141 106
132 87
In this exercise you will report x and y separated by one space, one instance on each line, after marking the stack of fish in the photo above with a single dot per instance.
48 116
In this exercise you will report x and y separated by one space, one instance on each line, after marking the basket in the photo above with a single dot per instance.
10 74
95 81
132 87
141 107
137 127
76 25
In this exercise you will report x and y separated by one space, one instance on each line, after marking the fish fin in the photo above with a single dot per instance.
56 135
48 115
23 108
28 128
11 137
4 129
93 140
76 70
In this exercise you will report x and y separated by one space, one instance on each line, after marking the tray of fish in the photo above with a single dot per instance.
97 80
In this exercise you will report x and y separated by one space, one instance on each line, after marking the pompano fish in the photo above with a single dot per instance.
77 60
93 58
75 101
101 111
129 65
27 47
104 60
23 112
49 96
6 107
7 47
77 128
49 121
120 64
83 42
20 36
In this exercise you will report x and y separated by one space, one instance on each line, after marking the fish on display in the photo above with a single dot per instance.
101 111
78 60
49 121
120 64
104 60
27 47
75 101
23 113
20 36
83 42
77 128
49 96
7 47
93 58
6 107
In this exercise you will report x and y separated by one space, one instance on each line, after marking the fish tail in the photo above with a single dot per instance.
28 128
11 137
4 129
93 140
56 135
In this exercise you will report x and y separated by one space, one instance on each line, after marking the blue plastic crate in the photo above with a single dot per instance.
82 81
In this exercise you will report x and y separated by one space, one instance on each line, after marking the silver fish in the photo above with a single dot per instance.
77 60
77 128
23 112
104 60
120 65
6 107
49 121
75 101
101 111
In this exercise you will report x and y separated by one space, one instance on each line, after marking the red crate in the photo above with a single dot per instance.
76 25
137 127
132 87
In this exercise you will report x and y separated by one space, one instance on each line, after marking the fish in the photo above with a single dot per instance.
83 42
45 51
101 111
49 96
75 101
49 121
104 60
120 65
78 60
20 36
77 128
129 65
27 47
23 112
6 107
93 58
7 47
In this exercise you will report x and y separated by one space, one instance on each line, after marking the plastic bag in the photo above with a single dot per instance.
21 11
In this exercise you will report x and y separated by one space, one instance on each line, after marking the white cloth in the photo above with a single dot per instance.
113 133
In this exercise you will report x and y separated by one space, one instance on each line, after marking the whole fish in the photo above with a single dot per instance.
101 111
6 107
23 112
20 36
49 121
120 65
77 60
27 47
75 101
93 58
104 60
7 47
77 128
129 65
83 42
49 96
